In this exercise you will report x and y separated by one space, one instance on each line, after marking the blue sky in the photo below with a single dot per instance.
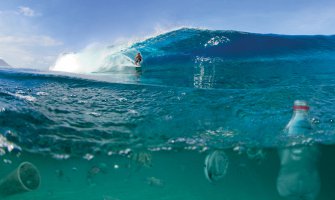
34 32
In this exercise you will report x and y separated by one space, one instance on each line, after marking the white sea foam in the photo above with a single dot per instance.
25 97
20 95
94 58
42 94
216 41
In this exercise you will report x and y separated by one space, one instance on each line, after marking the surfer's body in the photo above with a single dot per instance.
138 59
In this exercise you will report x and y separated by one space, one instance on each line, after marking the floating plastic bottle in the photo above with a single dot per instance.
298 177
299 123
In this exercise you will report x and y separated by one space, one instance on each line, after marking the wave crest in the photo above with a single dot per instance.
182 47
95 58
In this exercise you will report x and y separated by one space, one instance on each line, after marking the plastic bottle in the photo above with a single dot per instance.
299 123
298 177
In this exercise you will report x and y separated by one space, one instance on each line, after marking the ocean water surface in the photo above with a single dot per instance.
202 118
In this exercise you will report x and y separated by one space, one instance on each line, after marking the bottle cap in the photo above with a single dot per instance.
300 105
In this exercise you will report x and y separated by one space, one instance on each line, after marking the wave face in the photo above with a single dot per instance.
205 58
196 89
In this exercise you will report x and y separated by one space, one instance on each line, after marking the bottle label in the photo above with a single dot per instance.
300 107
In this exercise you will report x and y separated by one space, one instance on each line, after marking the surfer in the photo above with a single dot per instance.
138 59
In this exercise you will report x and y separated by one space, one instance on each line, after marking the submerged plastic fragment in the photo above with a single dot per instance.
216 164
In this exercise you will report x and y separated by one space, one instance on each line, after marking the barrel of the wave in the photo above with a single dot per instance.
24 178
298 176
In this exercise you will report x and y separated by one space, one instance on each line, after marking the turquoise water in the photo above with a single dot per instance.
179 174
96 127
172 175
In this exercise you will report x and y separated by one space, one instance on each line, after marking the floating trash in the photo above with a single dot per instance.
59 173
97 169
141 159
93 171
153 181
216 164
23 179
298 176
256 154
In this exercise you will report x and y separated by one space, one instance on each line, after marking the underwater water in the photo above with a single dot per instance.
202 118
